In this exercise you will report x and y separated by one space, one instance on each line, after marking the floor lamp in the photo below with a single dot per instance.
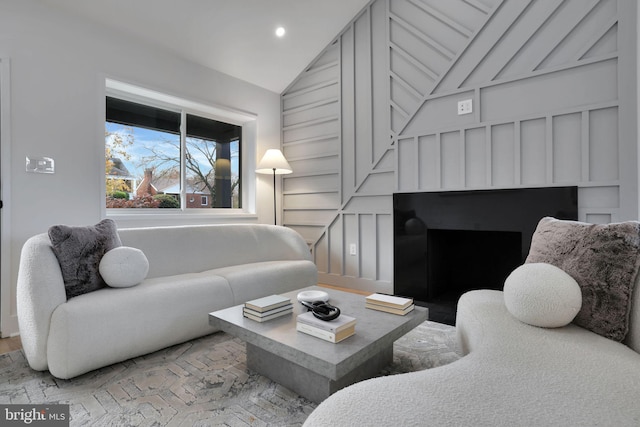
274 162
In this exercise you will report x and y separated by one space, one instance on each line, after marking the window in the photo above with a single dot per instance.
159 155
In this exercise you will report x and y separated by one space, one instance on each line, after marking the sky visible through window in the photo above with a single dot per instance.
145 142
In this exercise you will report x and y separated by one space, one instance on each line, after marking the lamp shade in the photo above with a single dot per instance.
273 162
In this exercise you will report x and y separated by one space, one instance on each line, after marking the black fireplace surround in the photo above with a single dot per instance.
447 243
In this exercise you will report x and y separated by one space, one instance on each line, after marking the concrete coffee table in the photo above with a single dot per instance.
310 366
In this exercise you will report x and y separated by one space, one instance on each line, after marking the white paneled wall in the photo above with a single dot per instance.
552 85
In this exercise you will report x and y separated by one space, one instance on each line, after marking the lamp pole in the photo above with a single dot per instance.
274 197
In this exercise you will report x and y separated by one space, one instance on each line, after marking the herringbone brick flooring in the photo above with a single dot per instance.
204 382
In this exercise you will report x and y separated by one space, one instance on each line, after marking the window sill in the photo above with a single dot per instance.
150 217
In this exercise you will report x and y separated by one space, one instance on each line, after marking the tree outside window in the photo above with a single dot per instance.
144 164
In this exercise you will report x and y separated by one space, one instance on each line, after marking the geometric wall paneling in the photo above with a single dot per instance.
567 148
320 252
603 145
387 160
598 203
440 111
324 108
324 146
599 218
428 159
599 197
362 94
533 152
379 89
367 243
407 170
377 183
511 41
606 44
314 218
503 155
336 254
551 90
370 263
497 25
321 127
311 201
593 23
452 160
512 31
425 36
351 224
369 204
384 248
475 147
323 92
312 183
311 144
320 162
544 43
309 232
321 73
365 167
376 113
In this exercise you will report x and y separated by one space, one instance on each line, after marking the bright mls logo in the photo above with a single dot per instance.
36 415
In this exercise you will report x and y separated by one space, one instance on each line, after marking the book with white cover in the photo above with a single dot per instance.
389 300
336 325
269 317
387 309
267 303
326 335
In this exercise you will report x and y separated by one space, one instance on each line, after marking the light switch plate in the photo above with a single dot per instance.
40 165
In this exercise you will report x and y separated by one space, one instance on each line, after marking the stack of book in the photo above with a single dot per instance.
390 303
267 308
333 330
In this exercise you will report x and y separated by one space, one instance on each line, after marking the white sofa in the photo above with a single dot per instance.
512 374
193 270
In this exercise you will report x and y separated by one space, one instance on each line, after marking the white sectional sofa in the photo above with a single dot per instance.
513 373
193 270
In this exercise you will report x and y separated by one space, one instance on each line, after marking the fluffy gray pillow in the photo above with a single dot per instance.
79 251
603 259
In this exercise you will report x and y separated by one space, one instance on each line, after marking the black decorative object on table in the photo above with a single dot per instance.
322 310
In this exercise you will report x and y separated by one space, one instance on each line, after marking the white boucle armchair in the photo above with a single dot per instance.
523 363
512 374
193 270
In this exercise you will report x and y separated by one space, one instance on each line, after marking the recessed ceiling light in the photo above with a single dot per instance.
280 31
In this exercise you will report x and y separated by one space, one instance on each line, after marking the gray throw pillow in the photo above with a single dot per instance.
79 251
603 259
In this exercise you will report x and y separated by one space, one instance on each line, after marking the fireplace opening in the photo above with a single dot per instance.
462 260
448 243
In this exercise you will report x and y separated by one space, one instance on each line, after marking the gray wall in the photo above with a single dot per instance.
553 85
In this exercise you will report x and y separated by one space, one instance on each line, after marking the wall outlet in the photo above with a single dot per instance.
353 249
465 107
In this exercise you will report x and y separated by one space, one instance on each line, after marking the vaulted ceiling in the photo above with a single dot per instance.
236 37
